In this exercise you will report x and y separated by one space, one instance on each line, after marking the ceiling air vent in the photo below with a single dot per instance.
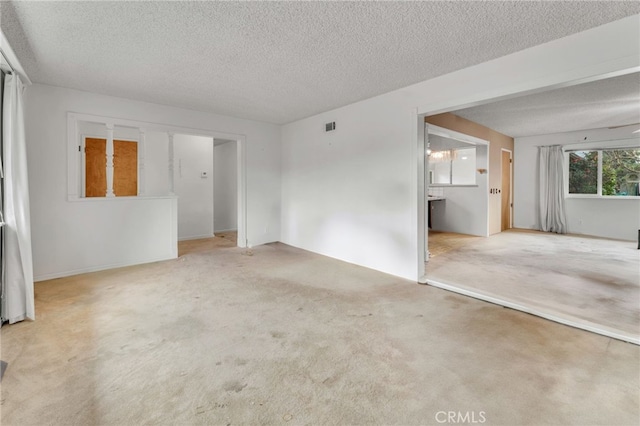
330 126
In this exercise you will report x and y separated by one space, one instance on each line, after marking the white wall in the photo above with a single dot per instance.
465 209
73 237
352 193
346 194
226 187
610 217
156 163
441 172
192 156
465 167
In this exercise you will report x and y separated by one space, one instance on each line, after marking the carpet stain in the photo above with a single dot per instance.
278 334
234 386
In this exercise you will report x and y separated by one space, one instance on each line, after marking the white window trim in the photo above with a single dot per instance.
74 172
633 143
73 169
432 129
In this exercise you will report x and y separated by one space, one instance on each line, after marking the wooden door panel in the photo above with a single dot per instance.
95 167
506 190
125 168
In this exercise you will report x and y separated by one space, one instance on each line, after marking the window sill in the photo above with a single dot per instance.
110 199
602 197
450 185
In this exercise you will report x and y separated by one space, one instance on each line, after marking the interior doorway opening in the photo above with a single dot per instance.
209 182
193 185
476 269
456 183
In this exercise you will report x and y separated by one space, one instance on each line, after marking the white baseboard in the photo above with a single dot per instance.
195 237
226 230
566 320
62 274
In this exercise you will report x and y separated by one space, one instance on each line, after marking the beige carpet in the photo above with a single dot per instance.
277 335
593 281
222 240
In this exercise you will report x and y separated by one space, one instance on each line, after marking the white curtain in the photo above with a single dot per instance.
18 302
552 211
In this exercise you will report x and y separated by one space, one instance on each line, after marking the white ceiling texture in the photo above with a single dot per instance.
613 102
276 61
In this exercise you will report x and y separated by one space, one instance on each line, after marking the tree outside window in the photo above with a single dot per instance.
583 172
618 170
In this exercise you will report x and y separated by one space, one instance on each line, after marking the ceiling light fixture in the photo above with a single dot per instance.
443 156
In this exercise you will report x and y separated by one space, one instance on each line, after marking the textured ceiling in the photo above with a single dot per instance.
604 103
276 61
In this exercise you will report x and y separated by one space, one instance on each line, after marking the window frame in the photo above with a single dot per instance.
612 145
472 141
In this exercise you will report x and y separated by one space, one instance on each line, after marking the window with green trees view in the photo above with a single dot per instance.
605 172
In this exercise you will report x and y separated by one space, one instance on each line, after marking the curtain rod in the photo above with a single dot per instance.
631 142
618 139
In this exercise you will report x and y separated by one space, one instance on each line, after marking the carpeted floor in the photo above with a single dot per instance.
277 335
222 240
592 281
444 242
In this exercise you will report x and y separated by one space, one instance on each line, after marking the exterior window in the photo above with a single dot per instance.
620 172
614 172
583 172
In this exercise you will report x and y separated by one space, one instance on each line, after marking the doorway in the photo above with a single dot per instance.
206 182
193 184
522 268
457 188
